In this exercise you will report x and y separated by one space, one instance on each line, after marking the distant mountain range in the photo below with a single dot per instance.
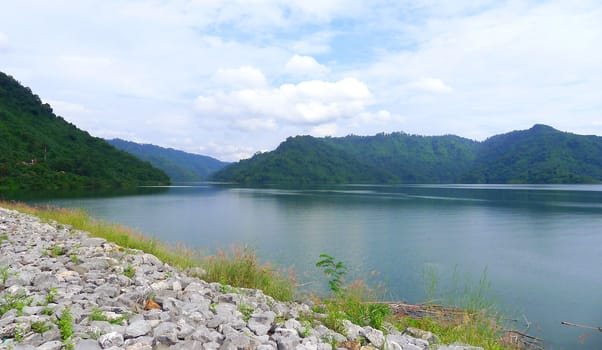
39 150
538 155
178 165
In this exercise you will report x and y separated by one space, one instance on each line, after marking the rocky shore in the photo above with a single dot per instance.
62 289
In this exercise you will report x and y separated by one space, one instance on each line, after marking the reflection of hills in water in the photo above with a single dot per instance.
41 195
532 197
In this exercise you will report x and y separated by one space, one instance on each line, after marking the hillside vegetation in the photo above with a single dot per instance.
178 165
41 151
538 155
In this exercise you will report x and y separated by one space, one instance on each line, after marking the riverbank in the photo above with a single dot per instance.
62 288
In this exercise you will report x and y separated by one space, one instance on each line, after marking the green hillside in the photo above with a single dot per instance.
302 160
412 158
41 151
539 155
178 165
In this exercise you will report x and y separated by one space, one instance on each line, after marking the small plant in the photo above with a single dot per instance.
334 270
74 258
57 250
98 315
246 312
3 237
4 274
51 296
47 311
129 271
65 324
14 301
19 336
40 327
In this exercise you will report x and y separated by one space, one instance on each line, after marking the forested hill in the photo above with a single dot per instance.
539 155
178 165
303 160
41 151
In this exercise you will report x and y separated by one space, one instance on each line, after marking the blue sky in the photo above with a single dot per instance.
229 78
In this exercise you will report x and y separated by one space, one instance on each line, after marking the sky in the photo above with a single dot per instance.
230 78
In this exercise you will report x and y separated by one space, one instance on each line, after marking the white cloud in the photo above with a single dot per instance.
242 77
227 152
305 66
309 102
430 85
322 130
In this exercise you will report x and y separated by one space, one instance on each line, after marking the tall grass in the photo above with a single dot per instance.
238 268
471 316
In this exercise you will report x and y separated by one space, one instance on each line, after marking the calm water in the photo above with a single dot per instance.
541 246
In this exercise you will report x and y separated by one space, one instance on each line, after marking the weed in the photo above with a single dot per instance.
3 237
51 296
213 307
74 258
129 271
98 315
334 270
65 324
19 336
246 312
40 327
14 301
57 250
4 274
47 311
241 268
95 334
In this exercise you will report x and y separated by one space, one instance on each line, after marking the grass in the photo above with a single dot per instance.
476 322
238 267
14 301
129 271
65 325
40 327
98 315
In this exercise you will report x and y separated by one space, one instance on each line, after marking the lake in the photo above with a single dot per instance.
540 247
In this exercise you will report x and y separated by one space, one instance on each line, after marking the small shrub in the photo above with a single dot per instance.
65 324
57 250
246 312
129 271
14 301
51 296
40 327
334 270
4 274
19 333
98 315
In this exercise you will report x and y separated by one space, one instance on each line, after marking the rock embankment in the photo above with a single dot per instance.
61 289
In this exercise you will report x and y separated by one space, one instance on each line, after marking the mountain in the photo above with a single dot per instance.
412 158
41 151
541 154
302 160
538 155
179 166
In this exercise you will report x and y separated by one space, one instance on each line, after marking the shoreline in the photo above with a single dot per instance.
123 298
